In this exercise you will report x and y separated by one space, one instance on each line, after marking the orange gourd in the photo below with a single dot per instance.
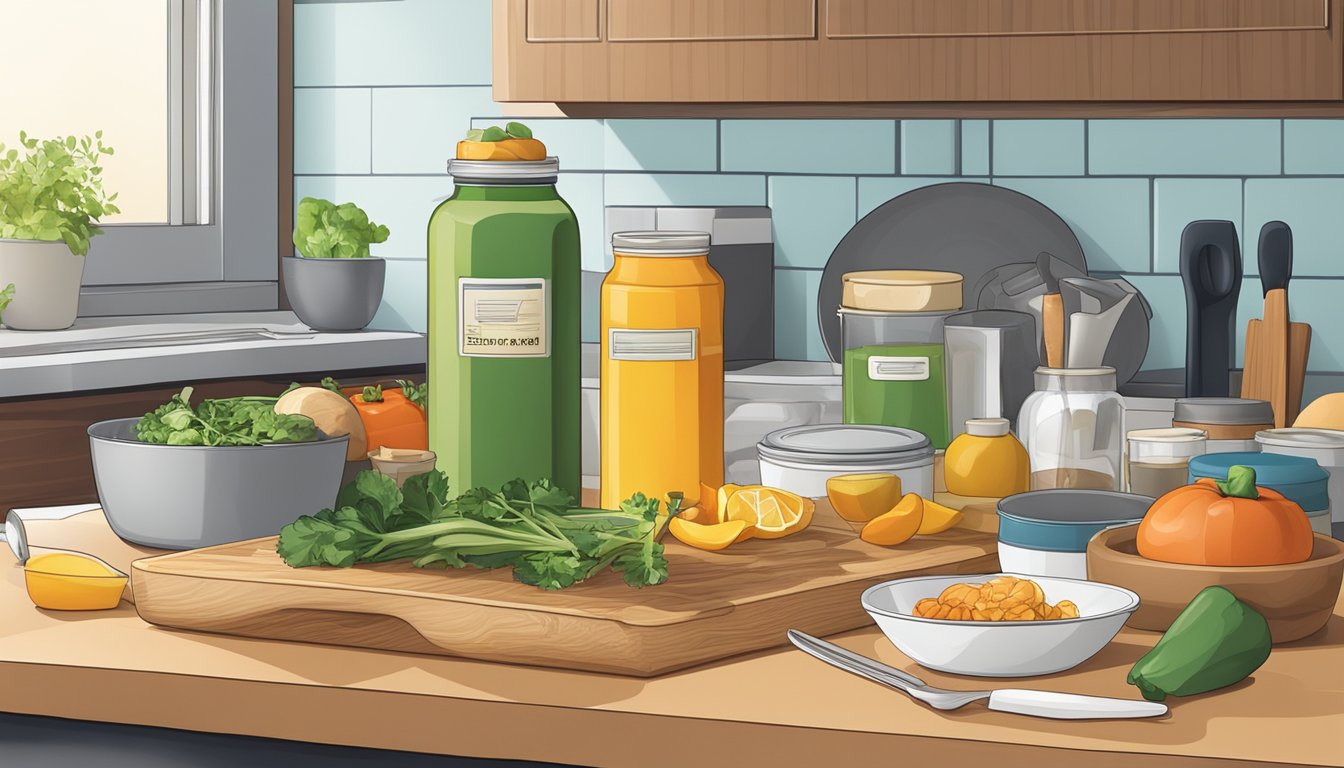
391 420
1229 523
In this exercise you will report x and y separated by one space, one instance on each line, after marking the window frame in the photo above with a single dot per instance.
230 263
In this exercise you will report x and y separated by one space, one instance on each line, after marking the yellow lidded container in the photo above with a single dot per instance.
662 368
987 461
69 581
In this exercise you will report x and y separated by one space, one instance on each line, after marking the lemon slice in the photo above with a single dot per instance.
773 512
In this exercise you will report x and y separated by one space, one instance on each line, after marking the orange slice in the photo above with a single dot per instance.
860 498
897 526
774 513
937 518
710 537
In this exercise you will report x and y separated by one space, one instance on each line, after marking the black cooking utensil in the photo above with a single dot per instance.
1211 269
1276 255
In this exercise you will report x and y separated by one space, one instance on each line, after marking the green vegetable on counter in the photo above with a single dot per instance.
324 230
534 528
227 421
1217 641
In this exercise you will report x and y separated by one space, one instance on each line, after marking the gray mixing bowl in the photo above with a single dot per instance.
188 496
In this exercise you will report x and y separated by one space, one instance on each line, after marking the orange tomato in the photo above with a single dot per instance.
394 422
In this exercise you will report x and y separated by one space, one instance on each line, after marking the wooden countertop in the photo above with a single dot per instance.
776 708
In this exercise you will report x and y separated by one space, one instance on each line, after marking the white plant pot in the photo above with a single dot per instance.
46 278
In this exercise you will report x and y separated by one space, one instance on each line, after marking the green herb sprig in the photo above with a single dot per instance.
227 421
53 190
495 133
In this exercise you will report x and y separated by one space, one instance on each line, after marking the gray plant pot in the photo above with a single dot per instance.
334 294
46 278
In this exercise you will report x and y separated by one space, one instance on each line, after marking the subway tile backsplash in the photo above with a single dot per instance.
376 123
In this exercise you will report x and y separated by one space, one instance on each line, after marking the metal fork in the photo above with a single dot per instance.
1062 706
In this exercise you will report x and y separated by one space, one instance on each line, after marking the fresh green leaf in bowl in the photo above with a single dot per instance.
325 230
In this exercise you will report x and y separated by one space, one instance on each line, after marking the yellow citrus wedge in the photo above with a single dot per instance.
774 513
937 518
860 498
721 497
897 526
709 504
710 537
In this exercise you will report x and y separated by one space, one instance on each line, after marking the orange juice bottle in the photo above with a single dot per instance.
662 368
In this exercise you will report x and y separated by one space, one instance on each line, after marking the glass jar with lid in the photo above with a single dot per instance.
1073 428
1230 422
1159 459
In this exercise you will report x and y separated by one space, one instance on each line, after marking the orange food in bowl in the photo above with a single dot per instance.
1005 598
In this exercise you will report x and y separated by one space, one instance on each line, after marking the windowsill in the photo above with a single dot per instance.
112 352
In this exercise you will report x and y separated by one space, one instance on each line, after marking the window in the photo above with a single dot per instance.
186 92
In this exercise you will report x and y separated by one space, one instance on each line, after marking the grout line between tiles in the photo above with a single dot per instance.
1152 225
1087 147
900 135
1283 140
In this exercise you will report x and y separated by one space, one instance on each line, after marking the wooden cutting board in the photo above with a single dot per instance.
1261 368
714 605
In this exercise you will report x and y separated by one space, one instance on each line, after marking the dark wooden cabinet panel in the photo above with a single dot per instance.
573 21
692 20
936 51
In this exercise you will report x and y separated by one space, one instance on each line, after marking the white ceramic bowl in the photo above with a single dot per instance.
1000 648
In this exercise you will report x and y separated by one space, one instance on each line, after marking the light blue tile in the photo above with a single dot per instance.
811 214
583 192
1314 208
410 42
416 130
1109 216
578 143
928 147
1038 148
402 203
1313 146
1177 202
1166 330
809 146
1315 302
876 191
662 145
331 130
975 147
1197 147
405 298
684 189
797 336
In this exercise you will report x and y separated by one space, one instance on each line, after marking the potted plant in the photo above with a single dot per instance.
334 284
51 198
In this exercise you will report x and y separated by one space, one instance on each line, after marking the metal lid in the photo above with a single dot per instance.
506 171
1167 435
1298 478
1223 410
902 277
1100 379
849 443
987 427
1065 519
652 243
1330 439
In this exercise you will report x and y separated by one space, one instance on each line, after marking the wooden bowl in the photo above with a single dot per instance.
1296 599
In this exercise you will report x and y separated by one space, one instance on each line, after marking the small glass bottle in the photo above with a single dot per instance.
1073 428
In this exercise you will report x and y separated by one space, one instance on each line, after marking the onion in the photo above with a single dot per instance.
332 414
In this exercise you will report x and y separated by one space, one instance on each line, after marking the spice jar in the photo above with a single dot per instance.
1230 422
1072 426
1159 459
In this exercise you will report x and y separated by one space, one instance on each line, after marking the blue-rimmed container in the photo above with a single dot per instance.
1045 533
1298 478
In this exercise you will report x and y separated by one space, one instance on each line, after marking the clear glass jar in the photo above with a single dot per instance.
1073 428
894 371
1158 460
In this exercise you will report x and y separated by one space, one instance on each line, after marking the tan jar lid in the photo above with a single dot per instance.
902 290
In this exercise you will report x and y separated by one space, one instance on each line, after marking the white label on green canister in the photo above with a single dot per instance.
503 317
882 368
640 344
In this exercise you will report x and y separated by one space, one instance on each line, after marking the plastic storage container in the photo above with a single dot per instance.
504 327
662 368
1045 533
802 459
990 355
1073 428
1298 478
986 460
1158 460
1325 446
1230 422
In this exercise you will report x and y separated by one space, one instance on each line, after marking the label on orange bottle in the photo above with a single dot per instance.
664 344
503 317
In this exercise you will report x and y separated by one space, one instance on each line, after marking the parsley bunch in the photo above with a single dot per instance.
532 527
227 421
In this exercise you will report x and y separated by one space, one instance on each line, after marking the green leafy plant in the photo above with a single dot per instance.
495 133
227 421
325 230
416 393
373 394
532 527
53 190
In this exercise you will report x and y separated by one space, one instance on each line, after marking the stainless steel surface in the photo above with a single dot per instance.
1062 706
169 339
16 536
183 497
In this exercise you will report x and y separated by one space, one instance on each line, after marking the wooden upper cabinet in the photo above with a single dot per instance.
893 51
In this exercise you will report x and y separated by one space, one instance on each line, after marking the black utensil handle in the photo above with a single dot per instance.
1276 255
1211 269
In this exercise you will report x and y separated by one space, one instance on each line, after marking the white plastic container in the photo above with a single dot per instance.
1326 446
802 459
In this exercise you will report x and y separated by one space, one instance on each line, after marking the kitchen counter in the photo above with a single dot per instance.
776 708
110 352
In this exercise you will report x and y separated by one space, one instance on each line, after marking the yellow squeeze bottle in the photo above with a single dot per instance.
987 461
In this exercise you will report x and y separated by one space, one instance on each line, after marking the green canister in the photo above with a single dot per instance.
504 273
